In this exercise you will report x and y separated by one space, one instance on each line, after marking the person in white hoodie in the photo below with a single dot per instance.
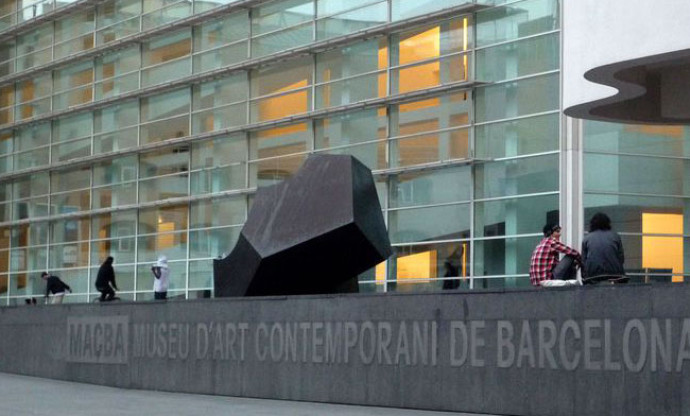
162 278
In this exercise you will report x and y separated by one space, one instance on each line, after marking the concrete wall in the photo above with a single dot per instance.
614 350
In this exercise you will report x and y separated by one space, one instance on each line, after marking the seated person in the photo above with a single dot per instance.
545 267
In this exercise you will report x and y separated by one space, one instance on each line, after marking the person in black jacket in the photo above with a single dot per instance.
55 286
602 252
105 280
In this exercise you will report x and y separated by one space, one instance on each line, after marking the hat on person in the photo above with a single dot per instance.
162 262
550 229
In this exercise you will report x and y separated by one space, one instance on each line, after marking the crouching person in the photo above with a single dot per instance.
546 269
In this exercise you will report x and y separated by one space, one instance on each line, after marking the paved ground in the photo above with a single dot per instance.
23 396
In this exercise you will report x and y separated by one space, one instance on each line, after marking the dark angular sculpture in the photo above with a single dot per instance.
312 233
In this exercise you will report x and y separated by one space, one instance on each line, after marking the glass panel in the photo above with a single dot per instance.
430 187
412 266
70 202
351 128
165 72
69 230
516 20
68 180
72 127
352 21
71 150
73 76
38 157
120 140
517 137
431 114
271 171
229 29
294 75
515 216
123 169
512 60
31 185
636 174
430 148
163 188
75 27
26 284
31 208
432 223
282 41
641 139
216 242
114 224
281 14
69 255
518 98
31 137
495 283
517 177
176 11
114 11
165 105
163 219
627 212
178 278
652 259
166 48
118 63
279 141
200 274
221 57
38 39
121 249
118 30
372 155
404 9
219 151
507 256
218 212
358 58
27 235
34 258
172 245
351 90
114 196
164 162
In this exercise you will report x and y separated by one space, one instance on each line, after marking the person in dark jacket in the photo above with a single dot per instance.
105 280
602 252
55 286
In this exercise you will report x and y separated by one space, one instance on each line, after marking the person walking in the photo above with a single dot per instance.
105 280
602 252
55 286
161 281
545 267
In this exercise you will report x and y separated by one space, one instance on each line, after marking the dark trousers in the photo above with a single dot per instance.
107 293
160 295
566 269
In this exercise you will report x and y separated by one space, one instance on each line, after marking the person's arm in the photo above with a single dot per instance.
156 272
619 246
67 286
47 289
112 274
568 251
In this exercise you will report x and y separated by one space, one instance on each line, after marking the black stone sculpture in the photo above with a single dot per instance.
312 233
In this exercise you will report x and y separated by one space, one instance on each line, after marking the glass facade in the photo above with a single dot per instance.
136 128
640 176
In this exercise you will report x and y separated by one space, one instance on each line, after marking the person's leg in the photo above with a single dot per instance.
58 297
110 293
566 269
103 293
159 295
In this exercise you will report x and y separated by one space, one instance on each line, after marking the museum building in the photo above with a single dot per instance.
133 128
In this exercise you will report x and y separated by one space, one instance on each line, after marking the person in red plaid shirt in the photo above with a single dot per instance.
545 268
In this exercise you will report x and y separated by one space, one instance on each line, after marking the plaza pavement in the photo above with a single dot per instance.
24 396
